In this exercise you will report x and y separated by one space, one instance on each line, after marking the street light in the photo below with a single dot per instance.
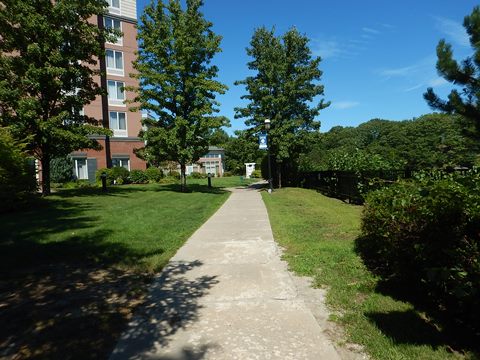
267 128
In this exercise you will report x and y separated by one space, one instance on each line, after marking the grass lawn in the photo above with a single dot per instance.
76 264
318 235
224 182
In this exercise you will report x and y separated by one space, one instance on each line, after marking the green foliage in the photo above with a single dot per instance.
284 89
197 175
256 174
426 233
16 178
61 169
116 175
138 177
154 174
47 75
431 141
174 174
466 100
177 81
241 148
219 138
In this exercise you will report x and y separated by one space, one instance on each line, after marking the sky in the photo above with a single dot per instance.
378 56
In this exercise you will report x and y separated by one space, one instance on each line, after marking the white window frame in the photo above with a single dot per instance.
121 159
115 70
112 98
120 38
118 132
77 175
113 9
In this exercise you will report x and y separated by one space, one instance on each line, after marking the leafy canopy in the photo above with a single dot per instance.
177 81
48 52
284 89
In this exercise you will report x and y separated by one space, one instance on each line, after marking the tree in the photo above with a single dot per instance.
48 52
176 81
218 137
284 86
465 75
240 149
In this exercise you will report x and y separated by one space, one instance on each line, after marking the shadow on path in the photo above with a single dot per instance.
172 304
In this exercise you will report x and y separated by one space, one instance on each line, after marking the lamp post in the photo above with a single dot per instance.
270 185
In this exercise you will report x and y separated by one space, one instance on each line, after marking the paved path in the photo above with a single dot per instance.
226 295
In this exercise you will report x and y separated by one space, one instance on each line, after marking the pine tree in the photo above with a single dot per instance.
284 86
177 81
465 75
48 52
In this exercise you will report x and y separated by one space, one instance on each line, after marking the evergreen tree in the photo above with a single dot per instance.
48 52
177 81
284 86
466 75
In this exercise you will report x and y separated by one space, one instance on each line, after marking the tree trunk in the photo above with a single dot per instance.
183 177
279 170
45 161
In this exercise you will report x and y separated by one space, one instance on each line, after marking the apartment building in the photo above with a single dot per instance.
118 150
213 162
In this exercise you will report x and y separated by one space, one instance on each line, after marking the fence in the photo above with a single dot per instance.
350 185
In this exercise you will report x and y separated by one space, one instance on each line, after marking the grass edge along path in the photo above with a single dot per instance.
74 266
317 234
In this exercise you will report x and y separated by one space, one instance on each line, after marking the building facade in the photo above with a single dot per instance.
118 149
213 162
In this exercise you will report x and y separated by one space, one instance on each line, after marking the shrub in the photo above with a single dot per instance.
138 177
16 175
174 174
256 174
228 173
426 233
61 169
197 175
154 174
116 175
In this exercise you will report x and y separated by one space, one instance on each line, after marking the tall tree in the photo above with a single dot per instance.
465 75
177 81
282 90
48 52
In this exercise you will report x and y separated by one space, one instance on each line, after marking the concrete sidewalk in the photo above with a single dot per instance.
226 295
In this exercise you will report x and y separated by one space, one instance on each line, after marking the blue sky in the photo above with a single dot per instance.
378 56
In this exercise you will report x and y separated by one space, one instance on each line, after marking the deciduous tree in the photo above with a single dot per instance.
48 57
284 89
177 81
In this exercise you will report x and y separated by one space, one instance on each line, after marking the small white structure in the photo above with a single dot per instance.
249 169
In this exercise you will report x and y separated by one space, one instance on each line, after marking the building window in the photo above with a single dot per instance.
118 123
114 6
81 170
116 93
111 23
114 62
211 167
121 162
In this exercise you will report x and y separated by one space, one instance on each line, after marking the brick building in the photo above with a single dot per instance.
111 109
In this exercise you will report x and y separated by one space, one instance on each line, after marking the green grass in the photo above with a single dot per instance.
136 227
76 265
318 235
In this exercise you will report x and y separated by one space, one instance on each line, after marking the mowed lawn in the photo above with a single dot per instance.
75 265
318 235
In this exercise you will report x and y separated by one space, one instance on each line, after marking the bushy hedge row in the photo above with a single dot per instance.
119 175
427 233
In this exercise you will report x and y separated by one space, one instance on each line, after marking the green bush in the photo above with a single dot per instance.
256 174
154 174
16 176
426 233
138 177
61 169
197 175
116 175
174 174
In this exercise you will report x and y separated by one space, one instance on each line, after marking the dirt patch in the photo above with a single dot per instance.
66 311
